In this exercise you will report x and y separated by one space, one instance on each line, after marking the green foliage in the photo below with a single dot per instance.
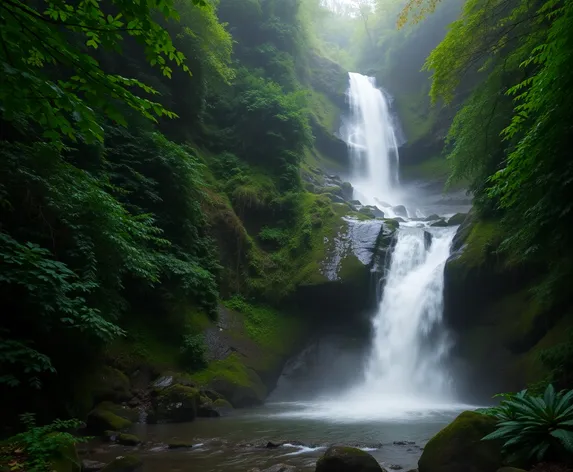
265 325
193 352
511 137
38 37
559 361
534 428
277 237
38 447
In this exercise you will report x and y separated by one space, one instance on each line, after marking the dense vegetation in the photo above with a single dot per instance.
150 164
151 156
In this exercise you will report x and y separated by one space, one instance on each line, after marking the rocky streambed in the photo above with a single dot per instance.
269 436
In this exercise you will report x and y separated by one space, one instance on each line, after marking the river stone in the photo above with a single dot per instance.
432 217
459 446
347 459
427 240
128 439
179 445
92 466
177 404
457 219
439 224
108 417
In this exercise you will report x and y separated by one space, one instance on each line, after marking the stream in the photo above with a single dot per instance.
237 443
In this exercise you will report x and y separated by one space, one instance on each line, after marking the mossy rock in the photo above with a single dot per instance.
98 384
66 460
124 464
347 459
128 439
234 380
510 469
110 384
169 378
223 404
459 446
105 417
176 404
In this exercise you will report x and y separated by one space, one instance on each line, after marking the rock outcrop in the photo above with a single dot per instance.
459 447
347 459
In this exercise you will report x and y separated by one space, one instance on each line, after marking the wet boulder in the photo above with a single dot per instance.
347 459
108 416
441 223
400 210
427 240
459 446
179 445
457 219
128 439
176 404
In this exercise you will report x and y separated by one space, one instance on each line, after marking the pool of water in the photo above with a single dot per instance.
304 430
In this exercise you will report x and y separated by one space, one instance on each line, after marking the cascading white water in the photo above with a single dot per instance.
405 373
371 138
409 340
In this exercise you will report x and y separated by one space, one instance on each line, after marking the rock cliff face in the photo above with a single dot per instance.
347 276
489 305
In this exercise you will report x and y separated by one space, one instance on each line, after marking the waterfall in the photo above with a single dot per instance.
371 138
409 343
405 370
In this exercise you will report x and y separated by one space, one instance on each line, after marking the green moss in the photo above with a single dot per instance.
232 378
177 403
266 326
352 269
231 368
221 403
324 110
128 439
416 115
459 446
484 236
101 419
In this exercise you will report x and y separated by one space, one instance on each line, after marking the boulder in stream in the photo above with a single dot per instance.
176 404
459 446
457 219
108 416
347 459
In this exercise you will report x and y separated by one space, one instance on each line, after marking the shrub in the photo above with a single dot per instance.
534 428
193 351
38 447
